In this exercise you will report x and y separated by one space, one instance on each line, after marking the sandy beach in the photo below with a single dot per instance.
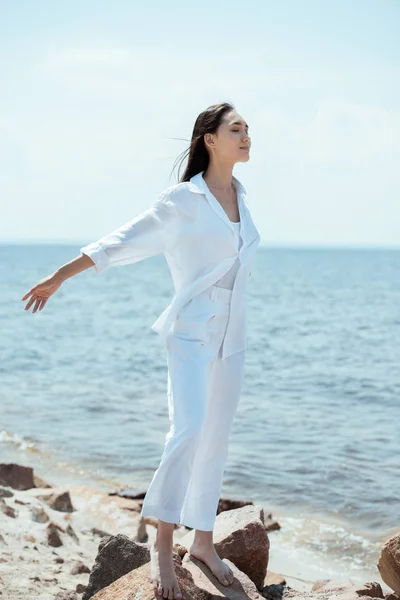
50 536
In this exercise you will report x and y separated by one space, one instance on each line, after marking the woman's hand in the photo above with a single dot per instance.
42 291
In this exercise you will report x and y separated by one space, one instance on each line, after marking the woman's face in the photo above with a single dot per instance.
231 142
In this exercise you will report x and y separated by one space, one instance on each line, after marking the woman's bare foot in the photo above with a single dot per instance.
163 575
209 556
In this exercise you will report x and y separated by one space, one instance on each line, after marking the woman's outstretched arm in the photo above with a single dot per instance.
46 287
142 237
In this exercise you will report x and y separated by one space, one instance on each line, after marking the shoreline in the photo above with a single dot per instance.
297 564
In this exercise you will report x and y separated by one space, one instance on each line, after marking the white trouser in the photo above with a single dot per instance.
203 394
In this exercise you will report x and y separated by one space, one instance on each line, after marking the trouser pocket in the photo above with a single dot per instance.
192 321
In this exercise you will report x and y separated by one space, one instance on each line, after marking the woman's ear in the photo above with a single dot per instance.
208 139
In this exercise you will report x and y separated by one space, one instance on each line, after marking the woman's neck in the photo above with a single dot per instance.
219 179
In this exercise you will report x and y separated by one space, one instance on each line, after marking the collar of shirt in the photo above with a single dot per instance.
198 185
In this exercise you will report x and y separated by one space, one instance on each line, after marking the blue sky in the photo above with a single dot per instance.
94 93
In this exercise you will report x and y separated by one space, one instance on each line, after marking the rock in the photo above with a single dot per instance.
50 579
53 537
72 533
80 588
58 501
18 501
128 493
114 515
208 585
9 511
78 567
240 536
347 590
372 589
59 560
230 504
194 583
270 524
5 492
389 563
274 591
66 596
40 483
39 515
117 555
100 532
30 538
2 541
16 476
274 579
179 550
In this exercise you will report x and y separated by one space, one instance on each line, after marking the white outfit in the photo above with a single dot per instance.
203 394
228 279
188 225
204 328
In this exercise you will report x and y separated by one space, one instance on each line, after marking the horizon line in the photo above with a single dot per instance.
265 244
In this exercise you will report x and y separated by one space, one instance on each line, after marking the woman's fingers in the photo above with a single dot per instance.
40 305
41 292
43 304
30 302
37 302
28 294
35 299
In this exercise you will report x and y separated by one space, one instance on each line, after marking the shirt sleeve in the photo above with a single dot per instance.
142 237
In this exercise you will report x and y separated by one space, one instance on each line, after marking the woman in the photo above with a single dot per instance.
204 228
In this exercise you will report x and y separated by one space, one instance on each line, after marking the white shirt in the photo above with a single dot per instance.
190 227
228 279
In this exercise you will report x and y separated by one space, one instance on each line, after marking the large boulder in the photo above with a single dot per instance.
240 536
195 581
16 476
389 563
117 555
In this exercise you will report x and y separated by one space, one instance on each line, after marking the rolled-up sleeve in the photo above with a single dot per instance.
142 237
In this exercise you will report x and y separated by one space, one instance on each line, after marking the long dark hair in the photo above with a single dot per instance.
208 121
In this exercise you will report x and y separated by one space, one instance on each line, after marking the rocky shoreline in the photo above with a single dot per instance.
78 543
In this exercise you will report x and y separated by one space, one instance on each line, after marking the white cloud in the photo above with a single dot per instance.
72 58
95 119
338 134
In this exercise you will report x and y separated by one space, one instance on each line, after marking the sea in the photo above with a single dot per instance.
316 436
